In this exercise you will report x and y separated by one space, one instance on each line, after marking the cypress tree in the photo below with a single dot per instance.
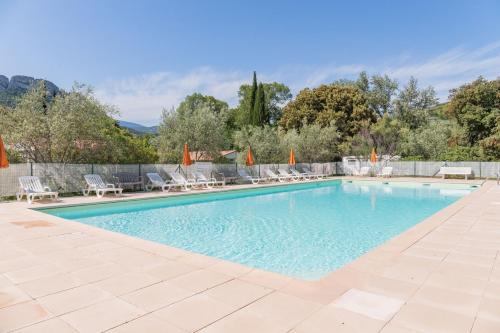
260 106
253 117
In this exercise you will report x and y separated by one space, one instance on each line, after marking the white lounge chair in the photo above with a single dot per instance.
364 171
310 173
96 184
244 175
385 172
211 182
155 181
271 175
285 174
31 187
300 175
179 180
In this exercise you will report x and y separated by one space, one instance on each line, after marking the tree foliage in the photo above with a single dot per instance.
199 124
344 106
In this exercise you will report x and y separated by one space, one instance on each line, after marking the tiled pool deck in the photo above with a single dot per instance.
443 275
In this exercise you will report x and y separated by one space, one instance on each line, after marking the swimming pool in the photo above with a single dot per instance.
300 230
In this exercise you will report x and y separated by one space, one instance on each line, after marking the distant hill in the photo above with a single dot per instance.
13 88
137 128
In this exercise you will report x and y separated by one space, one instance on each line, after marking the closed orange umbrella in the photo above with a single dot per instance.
186 158
291 160
373 156
4 163
249 161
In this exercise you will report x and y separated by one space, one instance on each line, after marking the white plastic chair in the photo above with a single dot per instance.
155 181
31 187
96 184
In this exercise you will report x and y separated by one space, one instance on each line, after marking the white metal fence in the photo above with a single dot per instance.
68 178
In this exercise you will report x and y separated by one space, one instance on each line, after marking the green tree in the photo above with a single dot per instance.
382 90
476 107
260 116
413 104
201 126
264 141
313 143
69 128
345 106
276 95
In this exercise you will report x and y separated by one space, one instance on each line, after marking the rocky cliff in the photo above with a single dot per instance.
19 85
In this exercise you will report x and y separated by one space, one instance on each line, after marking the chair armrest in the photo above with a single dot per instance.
46 188
110 185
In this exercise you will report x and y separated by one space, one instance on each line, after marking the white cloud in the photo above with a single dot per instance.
142 98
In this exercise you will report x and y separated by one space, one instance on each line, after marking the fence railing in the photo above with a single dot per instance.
68 178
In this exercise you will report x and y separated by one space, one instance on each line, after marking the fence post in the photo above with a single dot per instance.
31 168
259 170
92 168
414 168
480 169
139 169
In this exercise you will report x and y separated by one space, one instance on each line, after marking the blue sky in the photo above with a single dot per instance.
143 56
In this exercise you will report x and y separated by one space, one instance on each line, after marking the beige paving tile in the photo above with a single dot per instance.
368 304
20 315
331 319
126 283
230 268
457 282
200 280
287 310
492 290
244 322
170 269
156 296
33 273
482 325
489 309
73 299
465 270
237 292
430 319
50 285
97 273
54 325
102 316
266 279
147 324
12 295
195 312
395 328
450 300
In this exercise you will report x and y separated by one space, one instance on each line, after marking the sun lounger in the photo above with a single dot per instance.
271 175
311 173
155 181
455 171
96 184
31 187
211 182
364 171
245 176
179 180
301 175
385 172
285 174
128 179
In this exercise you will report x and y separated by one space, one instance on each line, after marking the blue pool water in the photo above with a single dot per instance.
301 230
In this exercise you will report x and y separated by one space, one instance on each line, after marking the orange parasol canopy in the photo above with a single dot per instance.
4 163
373 156
291 160
186 158
249 161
